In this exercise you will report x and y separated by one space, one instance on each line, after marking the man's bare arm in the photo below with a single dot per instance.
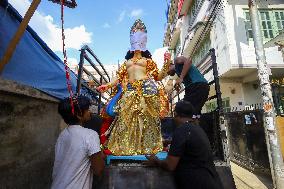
170 163
97 163
187 62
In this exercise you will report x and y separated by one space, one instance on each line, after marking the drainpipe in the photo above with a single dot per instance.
271 133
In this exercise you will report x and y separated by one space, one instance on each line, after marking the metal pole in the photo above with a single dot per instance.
80 71
216 79
220 114
272 135
100 97
171 102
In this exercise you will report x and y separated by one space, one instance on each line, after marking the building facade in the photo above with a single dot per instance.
191 32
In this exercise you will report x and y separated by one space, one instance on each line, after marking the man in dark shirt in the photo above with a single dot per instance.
190 155
196 86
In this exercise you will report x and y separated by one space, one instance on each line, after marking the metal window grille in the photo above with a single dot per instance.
272 23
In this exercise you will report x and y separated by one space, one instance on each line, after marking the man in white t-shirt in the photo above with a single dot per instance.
77 152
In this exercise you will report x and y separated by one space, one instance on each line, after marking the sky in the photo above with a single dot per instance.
103 25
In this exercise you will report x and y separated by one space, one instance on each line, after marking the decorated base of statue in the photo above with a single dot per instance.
160 155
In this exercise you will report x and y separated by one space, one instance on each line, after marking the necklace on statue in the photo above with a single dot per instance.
135 60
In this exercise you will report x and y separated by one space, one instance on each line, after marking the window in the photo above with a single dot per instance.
271 22
279 17
201 51
266 25
226 104
196 5
193 9
211 106
248 25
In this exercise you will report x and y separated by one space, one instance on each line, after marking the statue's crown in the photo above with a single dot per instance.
138 26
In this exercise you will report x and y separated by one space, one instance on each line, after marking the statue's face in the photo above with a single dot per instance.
138 41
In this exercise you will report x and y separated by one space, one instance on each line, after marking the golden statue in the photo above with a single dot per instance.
137 127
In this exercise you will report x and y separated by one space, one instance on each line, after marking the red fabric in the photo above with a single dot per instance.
180 3
106 123
107 120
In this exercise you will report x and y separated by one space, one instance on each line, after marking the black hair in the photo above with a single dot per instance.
184 109
81 104
145 54
95 123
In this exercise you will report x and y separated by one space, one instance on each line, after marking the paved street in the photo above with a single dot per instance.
245 179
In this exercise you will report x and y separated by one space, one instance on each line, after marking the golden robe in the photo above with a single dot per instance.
137 128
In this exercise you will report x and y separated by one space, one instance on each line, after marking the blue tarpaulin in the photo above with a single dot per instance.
33 62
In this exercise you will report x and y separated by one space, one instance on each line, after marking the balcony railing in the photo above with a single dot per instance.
173 25
210 13
193 13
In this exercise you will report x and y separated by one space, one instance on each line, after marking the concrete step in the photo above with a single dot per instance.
245 179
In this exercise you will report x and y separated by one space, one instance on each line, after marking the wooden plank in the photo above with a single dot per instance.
15 40
280 126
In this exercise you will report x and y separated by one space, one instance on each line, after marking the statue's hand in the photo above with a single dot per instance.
102 88
167 56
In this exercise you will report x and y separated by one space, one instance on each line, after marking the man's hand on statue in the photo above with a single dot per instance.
177 87
167 56
102 88
152 160
178 81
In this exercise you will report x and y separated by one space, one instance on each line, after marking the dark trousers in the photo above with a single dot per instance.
197 95
198 178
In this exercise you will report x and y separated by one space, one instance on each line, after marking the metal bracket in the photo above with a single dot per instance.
68 3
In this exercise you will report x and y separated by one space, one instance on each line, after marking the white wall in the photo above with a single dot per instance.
252 95
240 94
242 51
184 28
232 90
219 41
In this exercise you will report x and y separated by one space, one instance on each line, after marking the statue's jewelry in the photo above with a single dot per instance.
135 60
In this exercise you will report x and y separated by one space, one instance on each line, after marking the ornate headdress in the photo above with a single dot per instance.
138 36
